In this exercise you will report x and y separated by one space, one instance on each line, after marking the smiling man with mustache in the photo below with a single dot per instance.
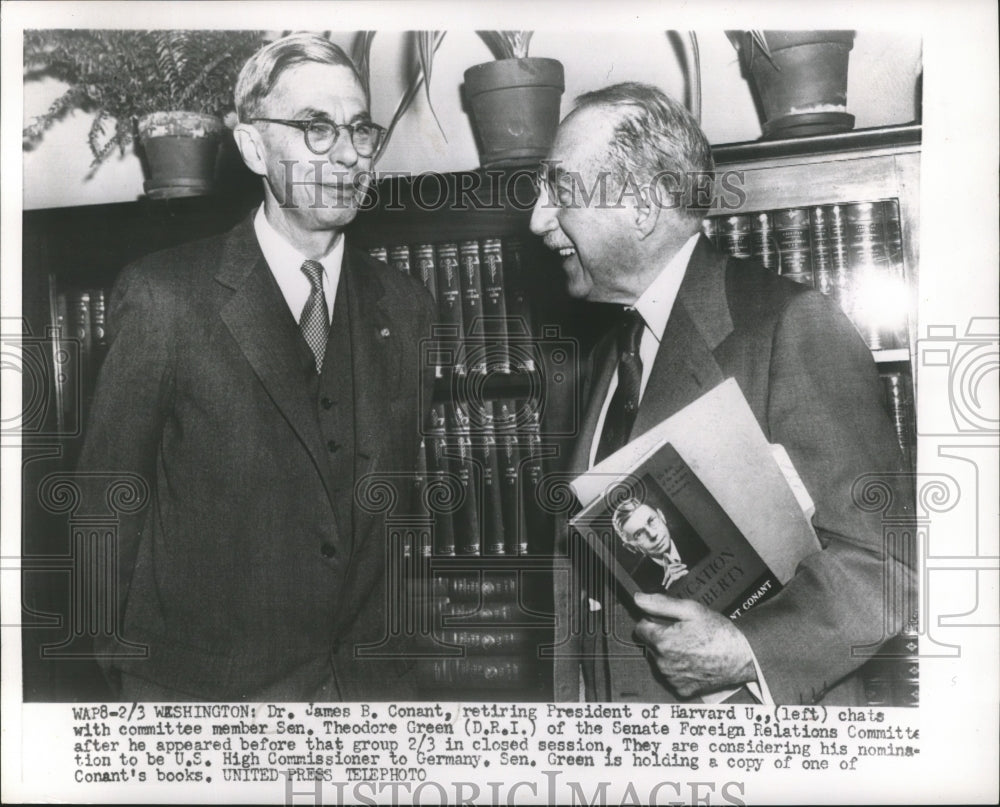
252 380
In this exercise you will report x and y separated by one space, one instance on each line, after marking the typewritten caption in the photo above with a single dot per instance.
339 752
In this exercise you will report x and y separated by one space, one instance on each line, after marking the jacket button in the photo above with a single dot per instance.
333 446
328 550
326 403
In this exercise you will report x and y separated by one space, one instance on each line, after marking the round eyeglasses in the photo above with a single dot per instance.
320 134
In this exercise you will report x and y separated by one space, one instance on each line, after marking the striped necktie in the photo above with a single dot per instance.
625 402
314 322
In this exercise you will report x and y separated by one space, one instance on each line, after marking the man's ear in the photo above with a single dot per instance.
646 213
251 148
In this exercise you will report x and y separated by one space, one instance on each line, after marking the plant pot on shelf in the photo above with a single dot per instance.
181 149
804 91
514 106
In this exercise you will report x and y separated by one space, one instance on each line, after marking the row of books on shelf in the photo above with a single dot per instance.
897 389
852 252
479 290
78 343
492 451
475 611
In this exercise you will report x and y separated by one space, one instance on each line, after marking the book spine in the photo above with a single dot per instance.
839 265
899 399
734 236
476 587
466 521
819 231
519 318
449 290
423 547
78 304
479 642
868 256
59 354
763 246
438 467
399 258
509 453
98 326
897 325
478 614
488 465
893 233
495 307
791 228
425 267
472 305
476 673
530 440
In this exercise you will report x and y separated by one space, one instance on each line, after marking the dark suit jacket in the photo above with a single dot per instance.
254 566
811 383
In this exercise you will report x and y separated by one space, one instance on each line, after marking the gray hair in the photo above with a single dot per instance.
265 67
654 135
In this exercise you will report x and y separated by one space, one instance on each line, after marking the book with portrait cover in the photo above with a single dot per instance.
753 482
659 530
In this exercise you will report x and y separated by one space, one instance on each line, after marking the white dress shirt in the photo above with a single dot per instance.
655 305
285 263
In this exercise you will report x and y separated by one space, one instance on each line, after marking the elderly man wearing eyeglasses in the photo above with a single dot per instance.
252 380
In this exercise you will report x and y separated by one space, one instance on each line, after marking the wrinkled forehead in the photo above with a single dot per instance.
309 89
582 139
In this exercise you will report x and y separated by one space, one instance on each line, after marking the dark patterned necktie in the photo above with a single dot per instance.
314 322
625 402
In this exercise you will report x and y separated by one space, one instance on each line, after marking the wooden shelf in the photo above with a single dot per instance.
891 355
885 137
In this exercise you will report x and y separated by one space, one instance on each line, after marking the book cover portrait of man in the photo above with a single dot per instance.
643 529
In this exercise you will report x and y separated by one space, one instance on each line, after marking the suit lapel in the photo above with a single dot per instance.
604 364
685 366
684 370
266 332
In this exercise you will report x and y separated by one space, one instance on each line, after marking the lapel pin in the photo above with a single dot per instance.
384 333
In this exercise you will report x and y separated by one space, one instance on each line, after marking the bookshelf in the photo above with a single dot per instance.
858 174
497 606
507 362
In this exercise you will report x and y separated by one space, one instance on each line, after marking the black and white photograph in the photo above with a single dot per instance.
313 321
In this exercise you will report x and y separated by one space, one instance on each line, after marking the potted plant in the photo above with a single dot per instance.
426 44
800 78
514 101
167 88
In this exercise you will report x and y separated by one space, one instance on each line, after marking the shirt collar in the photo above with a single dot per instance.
657 301
283 258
